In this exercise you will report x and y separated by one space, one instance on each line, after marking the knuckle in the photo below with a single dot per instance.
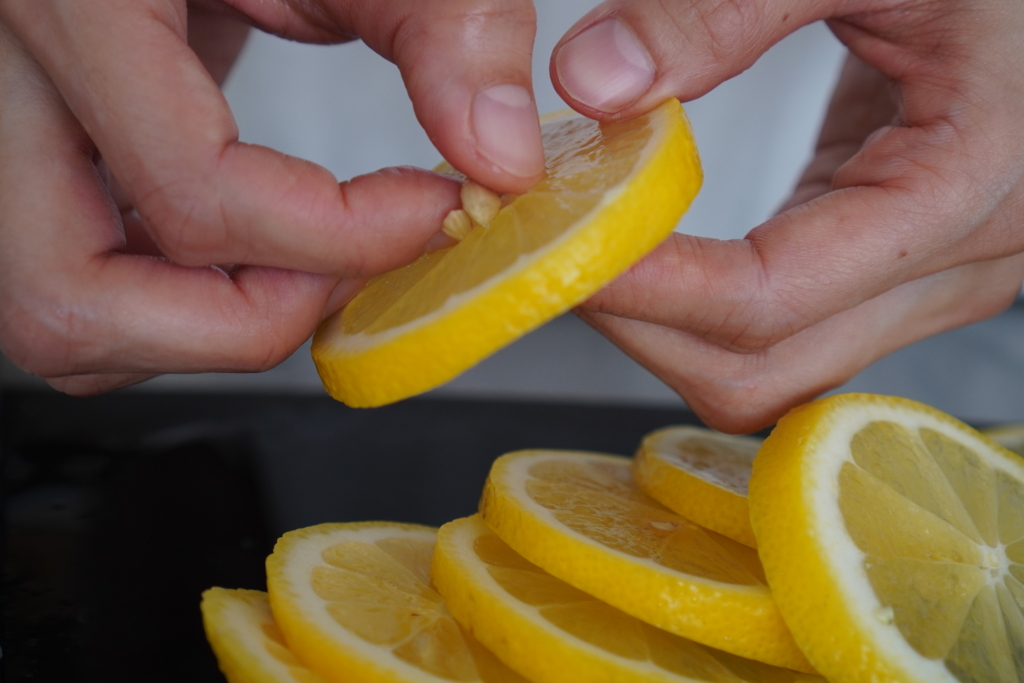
760 321
736 406
43 337
473 20
265 342
729 25
178 215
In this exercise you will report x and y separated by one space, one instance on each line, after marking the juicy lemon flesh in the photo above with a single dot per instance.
581 517
379 590
650 653
943 535
612 193
702 475
600 501
248 645
722 460
584 159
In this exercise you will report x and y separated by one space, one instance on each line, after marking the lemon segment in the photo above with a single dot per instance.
553 633
244 637
612 192
702 475
355 604
889 534
580 517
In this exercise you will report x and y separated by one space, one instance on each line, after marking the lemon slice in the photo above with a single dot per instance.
1008 436
580 517
355 604
553 633
702 475
893 538
612 193
248 645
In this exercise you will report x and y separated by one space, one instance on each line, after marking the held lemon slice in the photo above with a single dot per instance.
612 192
248 645
893 538
355 604
580 517
702 475
553 633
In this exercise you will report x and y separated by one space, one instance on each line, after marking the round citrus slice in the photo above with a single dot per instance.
580 517
702 475
893 538
355 604
553 633
246 641
611 194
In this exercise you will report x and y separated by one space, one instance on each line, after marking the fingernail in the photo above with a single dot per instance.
438 242
508 131
605 67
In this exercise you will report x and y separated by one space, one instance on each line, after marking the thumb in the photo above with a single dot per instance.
626 56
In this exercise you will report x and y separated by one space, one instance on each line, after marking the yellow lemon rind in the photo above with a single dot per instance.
514 630
439 347
232 621
326 647
813 568
742 620
686 493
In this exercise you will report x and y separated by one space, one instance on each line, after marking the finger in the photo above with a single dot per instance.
167 134
626 56
863 102
741 392
467 67
911 200
72 303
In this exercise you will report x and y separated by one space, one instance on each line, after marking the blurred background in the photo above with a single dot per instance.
120 509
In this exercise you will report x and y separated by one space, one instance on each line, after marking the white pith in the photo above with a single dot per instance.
842 557
306 553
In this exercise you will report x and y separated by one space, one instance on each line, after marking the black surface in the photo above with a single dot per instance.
120 510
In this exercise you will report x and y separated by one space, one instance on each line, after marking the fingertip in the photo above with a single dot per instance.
506 130
603 68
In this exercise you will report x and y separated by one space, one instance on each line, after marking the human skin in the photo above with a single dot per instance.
122 185
906 223
139 236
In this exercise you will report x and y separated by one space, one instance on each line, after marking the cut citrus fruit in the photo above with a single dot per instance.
1008 436
893 538
248 645
612 193
702 475
553 633
580 517
355 603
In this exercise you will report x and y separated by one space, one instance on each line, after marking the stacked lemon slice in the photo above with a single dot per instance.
891 537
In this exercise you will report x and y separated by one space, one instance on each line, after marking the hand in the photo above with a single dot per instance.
123 183
906 223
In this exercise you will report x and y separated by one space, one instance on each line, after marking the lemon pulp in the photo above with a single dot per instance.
611 194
